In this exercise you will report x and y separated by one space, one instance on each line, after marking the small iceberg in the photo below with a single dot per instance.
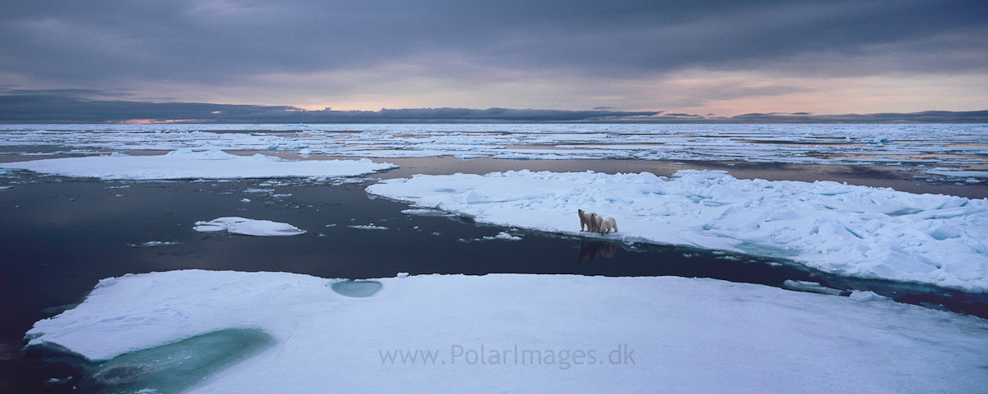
243 226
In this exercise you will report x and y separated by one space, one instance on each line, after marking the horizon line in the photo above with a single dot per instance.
68 109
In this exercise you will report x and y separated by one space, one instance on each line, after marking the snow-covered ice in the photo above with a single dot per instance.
191 164
243 226
534 333
843 229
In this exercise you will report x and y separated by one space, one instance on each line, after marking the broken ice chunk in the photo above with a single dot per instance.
258 228
813 287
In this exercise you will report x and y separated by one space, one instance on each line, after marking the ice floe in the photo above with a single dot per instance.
501 236
371 226
504 236
427 212
191 164
843 229
813 287
536 333
243 226
151 244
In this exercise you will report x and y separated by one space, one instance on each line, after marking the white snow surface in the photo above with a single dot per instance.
843 229
671 334
192 164
244 226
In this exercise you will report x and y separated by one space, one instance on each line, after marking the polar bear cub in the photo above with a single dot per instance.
607 225
595 222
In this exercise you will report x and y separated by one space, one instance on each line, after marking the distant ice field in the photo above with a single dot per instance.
943 149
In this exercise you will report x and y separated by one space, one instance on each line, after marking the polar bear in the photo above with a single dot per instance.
595 222
606 225
586 220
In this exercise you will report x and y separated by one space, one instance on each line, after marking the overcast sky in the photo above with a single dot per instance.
694 57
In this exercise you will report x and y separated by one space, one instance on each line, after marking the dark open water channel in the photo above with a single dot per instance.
61 235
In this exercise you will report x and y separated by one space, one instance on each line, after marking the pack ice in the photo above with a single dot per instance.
197 164
536 333
849 230
952 146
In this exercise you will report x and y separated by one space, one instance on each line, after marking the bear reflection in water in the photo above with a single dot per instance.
590 250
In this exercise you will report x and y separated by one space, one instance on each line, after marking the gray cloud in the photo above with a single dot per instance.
125 43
